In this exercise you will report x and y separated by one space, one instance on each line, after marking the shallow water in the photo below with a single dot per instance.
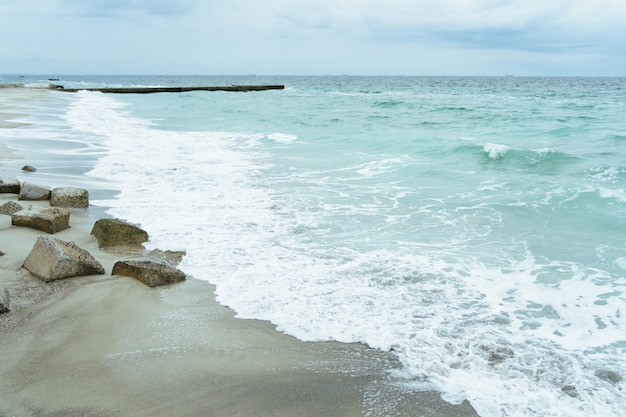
474 226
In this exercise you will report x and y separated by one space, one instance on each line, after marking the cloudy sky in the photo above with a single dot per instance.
358 37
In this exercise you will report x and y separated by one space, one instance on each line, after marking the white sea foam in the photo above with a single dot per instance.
621 262
451 318
378 167
605 174
282 137
617 194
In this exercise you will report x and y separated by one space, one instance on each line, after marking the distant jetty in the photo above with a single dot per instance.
146 90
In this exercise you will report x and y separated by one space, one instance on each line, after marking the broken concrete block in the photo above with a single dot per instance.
151 273
47 219
52 259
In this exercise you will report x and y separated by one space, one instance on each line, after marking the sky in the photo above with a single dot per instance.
314 37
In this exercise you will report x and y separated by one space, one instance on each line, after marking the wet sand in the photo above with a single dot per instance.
14 104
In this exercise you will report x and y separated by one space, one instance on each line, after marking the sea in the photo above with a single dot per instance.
473 226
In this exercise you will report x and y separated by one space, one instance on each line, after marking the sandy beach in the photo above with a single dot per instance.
110 346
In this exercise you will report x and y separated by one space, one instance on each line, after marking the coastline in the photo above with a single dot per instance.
109 346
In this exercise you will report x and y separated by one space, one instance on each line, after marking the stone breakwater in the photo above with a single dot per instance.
147 90
54 259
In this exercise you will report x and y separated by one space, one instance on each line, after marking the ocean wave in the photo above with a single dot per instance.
361 249
495 151
389 103
543 159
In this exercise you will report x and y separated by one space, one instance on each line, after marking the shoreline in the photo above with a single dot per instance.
110 346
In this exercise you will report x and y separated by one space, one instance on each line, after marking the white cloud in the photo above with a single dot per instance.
375 36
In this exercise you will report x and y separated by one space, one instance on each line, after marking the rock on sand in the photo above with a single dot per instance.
53 259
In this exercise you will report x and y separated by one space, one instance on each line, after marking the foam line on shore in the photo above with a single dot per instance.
108 345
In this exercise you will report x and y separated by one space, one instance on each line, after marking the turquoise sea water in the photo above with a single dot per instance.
474 226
